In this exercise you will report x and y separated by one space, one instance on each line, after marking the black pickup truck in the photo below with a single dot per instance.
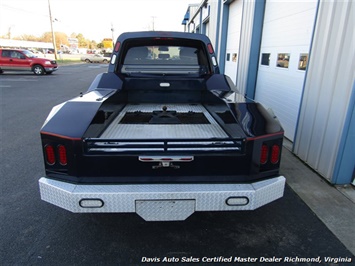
162 134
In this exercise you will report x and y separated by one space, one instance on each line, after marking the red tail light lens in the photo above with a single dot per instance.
117 46
275 154
62 152
50 155
264 154
210 48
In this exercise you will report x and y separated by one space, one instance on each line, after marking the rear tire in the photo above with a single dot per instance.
38 70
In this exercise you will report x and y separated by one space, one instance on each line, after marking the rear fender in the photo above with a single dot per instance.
106 81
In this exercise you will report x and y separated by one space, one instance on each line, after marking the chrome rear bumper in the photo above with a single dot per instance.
161 202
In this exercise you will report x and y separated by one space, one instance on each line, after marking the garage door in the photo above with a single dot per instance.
286 38
233 39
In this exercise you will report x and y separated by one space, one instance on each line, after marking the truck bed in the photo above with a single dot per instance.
140 130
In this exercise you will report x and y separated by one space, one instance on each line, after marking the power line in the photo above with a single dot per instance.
23 10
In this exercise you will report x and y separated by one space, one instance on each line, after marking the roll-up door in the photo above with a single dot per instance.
233 38
286 38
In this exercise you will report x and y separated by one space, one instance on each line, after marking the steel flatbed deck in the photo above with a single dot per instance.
118 130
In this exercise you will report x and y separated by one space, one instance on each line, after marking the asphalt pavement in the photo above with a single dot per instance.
313 222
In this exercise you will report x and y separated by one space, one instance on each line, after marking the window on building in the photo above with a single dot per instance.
303 62
234 57
265 59
228 56
283 60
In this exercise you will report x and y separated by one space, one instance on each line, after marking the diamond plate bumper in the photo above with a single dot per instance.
161 202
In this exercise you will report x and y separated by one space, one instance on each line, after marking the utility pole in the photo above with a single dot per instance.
53 35
113 40
153 18
9 33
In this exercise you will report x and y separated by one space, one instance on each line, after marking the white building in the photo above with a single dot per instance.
25 44
297 58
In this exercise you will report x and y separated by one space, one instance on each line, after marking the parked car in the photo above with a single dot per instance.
24 60
95 58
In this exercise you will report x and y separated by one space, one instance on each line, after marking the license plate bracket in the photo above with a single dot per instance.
165 210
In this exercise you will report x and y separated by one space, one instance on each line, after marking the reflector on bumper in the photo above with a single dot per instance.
91 203
237 201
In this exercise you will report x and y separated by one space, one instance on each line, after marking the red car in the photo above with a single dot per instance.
24 60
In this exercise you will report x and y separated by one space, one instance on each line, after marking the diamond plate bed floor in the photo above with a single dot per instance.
154 131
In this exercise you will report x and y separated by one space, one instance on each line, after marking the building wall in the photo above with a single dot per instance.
316 105
204 18
25 44
328 92
212 22
246 38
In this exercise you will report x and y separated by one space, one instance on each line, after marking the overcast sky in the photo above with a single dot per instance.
92 18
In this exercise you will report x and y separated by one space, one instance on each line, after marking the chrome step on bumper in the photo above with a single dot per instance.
161 202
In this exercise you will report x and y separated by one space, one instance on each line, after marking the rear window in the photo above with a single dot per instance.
156 55
165 57
6 53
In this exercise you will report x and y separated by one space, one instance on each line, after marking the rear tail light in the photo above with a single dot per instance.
210 48
50 155
264 154
117 46
275 154
54 154
62 152
270 153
